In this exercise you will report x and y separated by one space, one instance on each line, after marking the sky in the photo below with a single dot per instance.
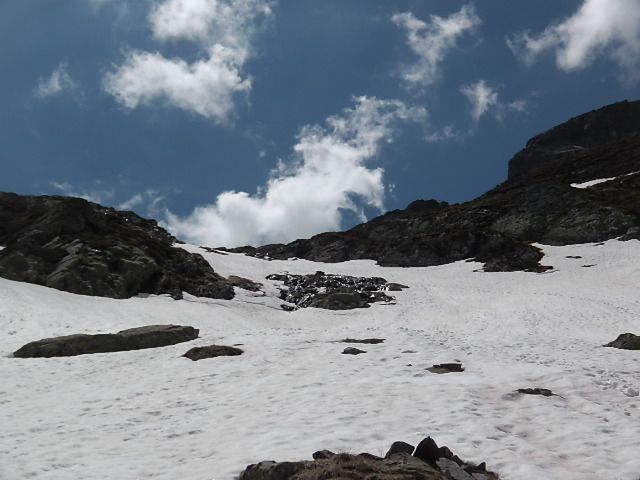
237 122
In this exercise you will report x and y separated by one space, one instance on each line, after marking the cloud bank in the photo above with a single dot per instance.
210 86
431 41
327 176
55 84
598 28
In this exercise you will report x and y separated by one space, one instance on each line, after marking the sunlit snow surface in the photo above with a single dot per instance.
151 414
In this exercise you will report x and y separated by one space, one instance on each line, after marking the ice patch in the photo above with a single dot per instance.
597 181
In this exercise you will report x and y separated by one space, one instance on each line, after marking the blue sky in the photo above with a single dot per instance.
256 121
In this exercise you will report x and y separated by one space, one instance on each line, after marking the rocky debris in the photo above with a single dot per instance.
212 351
545 392
331 292
394 287
535 205
151 336
625 341
446 368
398 464
352 351
370 341
244 283
80 247
288 308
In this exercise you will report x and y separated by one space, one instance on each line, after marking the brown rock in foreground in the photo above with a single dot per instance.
212 351
439 464
151 336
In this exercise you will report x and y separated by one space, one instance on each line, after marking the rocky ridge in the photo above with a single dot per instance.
539 202
81 247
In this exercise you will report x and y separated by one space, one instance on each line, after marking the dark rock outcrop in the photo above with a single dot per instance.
244 283
151 336
536 204
332 292
212 351
545 392
370 341
400 447
77 246
398 464
446 368
626 341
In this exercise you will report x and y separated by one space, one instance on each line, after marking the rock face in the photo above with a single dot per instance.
212 351
81 247
626 341
151 336
332 292
536 204
439 463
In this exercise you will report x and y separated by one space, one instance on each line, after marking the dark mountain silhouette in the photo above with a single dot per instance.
537 203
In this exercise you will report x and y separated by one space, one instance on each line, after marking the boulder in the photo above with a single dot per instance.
400 447
446 368
352 351
151 336
626 341
211 351
545 392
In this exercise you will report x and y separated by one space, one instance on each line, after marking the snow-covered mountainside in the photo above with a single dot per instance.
153 414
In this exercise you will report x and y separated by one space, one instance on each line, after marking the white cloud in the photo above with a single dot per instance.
327 176
448 132
482 98
150 199
598 27
55 84
97 196
209 86
432 40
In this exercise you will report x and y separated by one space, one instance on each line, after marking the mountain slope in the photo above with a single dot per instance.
536 204
81 247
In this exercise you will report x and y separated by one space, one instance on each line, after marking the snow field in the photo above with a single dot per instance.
151 414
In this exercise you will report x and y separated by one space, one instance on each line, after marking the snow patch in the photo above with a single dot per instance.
597 181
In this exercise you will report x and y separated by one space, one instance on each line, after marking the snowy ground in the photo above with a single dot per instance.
151 414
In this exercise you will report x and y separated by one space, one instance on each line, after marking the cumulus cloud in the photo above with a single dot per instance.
432 40
208 86
327 176
598 27
55 84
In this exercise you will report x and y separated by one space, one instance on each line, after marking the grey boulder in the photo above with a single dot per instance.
151 336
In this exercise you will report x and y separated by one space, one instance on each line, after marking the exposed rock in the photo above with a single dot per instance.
371 341
536 204
394 287
352 351
346 300
626 341
211 351
244 283
332 292
322 455
446 368
397 465
151 336
545 392
399 447
77 246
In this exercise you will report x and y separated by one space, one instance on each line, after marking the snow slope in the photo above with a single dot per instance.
151 414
